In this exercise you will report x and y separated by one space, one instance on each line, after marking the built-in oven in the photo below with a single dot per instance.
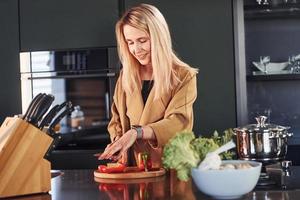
87 78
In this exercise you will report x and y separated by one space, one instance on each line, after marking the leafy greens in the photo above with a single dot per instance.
184 151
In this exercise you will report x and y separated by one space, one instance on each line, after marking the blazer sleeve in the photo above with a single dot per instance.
179 112
114 127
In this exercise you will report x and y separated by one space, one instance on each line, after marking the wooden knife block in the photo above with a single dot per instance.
23 170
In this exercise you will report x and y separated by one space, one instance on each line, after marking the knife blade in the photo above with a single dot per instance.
32 105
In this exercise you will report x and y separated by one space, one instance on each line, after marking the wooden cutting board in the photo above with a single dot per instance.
131 173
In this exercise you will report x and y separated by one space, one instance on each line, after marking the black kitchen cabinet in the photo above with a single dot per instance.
202 33
67 24
10 84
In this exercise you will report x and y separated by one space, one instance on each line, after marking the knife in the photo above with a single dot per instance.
49 116
40 109
52 113
56 140
67 111
44 107
32 105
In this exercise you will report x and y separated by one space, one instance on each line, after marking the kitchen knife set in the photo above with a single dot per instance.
36 115
40 105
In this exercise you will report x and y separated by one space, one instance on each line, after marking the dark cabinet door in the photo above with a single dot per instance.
10 85
65 24
202 33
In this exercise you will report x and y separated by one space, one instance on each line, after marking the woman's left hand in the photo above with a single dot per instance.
120 145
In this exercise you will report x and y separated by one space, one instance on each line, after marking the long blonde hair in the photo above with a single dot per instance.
149 19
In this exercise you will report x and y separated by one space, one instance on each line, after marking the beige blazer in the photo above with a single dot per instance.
171 113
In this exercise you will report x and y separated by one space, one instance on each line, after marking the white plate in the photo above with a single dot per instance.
270 67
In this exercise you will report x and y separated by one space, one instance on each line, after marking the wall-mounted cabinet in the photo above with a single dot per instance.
67 24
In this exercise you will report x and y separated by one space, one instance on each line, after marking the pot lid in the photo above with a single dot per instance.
262 126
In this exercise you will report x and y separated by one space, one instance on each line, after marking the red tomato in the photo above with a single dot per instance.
115 167
102 168
111 168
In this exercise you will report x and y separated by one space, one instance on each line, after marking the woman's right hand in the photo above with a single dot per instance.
120 146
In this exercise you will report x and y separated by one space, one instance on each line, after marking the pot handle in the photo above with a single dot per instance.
286 135
289 134
261 120
281 136
235 130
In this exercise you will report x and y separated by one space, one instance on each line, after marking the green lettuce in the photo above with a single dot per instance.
184 151
179 154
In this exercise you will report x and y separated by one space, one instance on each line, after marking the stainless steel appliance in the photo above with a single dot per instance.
85 77
262 141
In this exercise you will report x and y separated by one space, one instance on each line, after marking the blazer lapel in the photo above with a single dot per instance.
153 111
135 107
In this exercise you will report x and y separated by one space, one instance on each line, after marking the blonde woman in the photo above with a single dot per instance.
155 92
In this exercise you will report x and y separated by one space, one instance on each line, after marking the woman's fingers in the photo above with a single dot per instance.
111 150
121 154
120 144
106 151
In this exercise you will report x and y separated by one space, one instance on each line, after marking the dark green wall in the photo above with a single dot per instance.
202 34
67 24
10 86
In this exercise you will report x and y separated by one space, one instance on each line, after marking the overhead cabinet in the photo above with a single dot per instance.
10 89
67 24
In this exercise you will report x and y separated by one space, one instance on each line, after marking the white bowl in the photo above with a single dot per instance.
271 67
227 183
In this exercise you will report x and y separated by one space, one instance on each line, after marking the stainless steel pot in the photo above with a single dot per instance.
262 141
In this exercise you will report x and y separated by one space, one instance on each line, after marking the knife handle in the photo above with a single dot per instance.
52 113
47 119
41 109
59 118
56 140
44 107
34 107
31 105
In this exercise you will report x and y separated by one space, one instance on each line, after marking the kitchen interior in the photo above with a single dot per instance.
248 57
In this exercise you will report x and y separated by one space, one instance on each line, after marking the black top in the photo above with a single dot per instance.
146 88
